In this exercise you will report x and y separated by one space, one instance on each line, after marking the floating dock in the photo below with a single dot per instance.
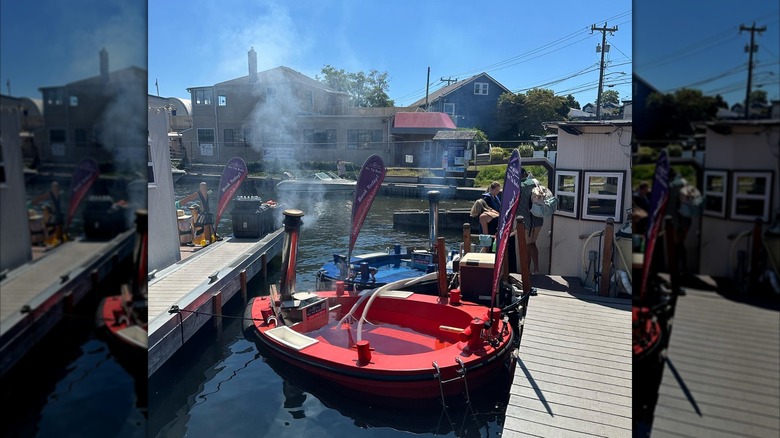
39 294
573 374
203 282
722 373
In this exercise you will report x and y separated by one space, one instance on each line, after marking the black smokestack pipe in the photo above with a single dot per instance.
292 226
433 217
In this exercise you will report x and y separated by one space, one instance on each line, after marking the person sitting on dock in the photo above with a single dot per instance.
54 217
205 217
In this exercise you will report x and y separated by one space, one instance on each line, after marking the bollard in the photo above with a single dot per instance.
455 297
242 280
364 352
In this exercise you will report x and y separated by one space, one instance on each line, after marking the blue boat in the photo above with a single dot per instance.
377 269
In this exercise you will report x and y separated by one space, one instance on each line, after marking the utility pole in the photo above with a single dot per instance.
750 49
158 87
449 80
427 83
603 48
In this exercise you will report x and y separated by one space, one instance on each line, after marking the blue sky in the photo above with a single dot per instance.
520 44
195 43
52 43
698 44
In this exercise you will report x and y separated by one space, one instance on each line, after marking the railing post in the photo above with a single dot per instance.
466 238
522 249
755 253
441 253
609 233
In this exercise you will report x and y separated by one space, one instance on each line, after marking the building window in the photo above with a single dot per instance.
603 196
150 163
320 138
309 98
203 96
57 142
222 99
54 97
364 138
206 141
270 95
715 185
272 138
567 183
233 139
80 137
248 138
481 88
2 166
449 108
750 195
74 100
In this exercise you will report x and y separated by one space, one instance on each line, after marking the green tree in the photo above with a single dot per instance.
758 96
366 90
521 115
572 103
610 96
670 116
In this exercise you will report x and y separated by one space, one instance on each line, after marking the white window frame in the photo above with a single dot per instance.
206 97
221 98
450 105
716 194
574 194
586 196
73 100
735 196
152 183
481 88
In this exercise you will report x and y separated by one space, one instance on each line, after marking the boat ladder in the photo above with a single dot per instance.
461 376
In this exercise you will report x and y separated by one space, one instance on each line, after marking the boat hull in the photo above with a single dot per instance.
403 365
127 341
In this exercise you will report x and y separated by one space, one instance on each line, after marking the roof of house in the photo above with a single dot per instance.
123 75
455 135
452 87
423 120
279 74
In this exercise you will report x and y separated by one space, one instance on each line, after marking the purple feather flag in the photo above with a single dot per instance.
371 176
509 202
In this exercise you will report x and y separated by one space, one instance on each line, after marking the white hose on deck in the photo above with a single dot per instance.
396 284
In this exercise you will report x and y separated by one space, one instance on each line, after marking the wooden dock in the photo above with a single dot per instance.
202 282
573 375
36 296
722 374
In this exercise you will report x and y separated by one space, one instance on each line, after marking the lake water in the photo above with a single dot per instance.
221 385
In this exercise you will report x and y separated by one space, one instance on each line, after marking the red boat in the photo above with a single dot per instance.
123 317
388 343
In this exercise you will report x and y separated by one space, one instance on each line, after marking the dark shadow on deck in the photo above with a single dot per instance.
683 386
535 386
570 287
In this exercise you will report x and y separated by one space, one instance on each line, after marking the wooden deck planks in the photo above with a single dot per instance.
723 373
573 376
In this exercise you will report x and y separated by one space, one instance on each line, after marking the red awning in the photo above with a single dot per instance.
423 121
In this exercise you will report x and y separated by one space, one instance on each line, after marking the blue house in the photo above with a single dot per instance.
471 103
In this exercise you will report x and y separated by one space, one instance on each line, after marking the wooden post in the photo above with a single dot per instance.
466 239
217 308
441 254
242 280
525 270
755 253
609 234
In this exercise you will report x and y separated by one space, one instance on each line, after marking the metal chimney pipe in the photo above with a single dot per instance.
292 226
433 217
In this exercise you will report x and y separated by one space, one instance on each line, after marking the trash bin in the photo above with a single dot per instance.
247 217
103 219
185 227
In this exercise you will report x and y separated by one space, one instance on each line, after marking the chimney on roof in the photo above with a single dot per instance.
252 66
104 65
